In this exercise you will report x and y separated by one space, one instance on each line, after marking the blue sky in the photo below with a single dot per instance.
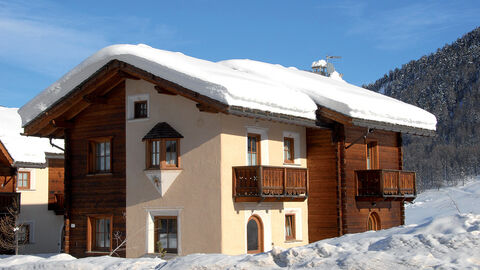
42 40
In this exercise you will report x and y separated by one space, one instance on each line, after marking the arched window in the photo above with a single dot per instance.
373 223
254 235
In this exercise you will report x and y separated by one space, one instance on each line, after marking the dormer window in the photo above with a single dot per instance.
162 147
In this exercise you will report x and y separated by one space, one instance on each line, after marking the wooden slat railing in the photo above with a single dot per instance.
385 183
262 182
8 200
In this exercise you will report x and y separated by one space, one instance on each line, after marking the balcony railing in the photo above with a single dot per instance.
9 201
385 184
268 183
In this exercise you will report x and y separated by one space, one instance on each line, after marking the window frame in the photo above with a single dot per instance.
371 155
292 227
92 155
139 113
91 233
27 234
258 153
155 234
29 179
290 150
162 154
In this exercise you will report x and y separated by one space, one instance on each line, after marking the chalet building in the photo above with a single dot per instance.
31 176
165 152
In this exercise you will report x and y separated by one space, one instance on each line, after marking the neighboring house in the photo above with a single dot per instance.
37 178
166 151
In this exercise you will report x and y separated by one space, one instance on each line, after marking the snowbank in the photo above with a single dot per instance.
22 148
441 238
244 83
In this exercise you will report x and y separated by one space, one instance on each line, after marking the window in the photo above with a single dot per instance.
99 230
141 109
372 156
23 234
100 159
290 227
288 151
373 222
253 149
23 180
254 235
166 236
163 153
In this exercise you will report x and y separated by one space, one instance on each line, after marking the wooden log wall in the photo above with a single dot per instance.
56 173
323 201
90 194
355 214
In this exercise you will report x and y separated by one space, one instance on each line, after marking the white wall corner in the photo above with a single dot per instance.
162 179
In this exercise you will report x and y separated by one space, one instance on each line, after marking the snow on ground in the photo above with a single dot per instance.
23 148
244 83
436 236
444 202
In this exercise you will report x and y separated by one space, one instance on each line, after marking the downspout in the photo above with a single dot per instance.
54 145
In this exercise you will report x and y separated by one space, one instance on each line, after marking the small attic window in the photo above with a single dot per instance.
138 107
162 147
141 109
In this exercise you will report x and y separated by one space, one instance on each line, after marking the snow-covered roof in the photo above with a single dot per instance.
23 149
244 83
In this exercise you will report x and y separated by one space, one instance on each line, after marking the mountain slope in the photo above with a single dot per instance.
447 84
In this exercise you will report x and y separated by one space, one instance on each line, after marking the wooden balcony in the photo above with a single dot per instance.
268 183
58 204
7 200
385 185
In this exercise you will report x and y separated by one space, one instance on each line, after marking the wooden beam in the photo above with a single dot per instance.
335 116
93 99
59 123
206 108
126 75
162 90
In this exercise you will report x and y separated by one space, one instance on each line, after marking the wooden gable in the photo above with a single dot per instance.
52 122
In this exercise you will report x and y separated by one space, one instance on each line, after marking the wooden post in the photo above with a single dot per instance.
234 184
399 190
260 180
381 180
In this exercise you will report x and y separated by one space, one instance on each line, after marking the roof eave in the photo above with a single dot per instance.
393 127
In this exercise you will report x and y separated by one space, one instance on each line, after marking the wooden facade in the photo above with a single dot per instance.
336 157
89 194
56 187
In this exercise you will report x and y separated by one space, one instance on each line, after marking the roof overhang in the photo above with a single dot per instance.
323 113
6 162
54 120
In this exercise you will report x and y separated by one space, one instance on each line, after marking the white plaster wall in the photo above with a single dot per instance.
45 226
194 195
